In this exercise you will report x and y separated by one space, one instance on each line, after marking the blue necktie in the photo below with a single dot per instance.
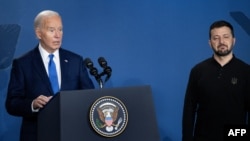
53 75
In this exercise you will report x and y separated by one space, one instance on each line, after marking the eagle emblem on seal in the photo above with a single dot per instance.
108 116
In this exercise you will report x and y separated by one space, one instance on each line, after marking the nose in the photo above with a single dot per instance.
221 40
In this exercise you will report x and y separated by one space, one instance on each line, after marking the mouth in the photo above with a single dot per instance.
222 47
56 42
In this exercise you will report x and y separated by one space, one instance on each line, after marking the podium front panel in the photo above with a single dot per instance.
74 110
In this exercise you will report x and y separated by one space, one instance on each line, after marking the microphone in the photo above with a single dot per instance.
88 63
92 70
102 62
106 69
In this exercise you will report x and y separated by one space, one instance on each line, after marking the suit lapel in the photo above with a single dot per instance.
40 69
64 61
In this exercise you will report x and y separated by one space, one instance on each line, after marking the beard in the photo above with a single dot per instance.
224 52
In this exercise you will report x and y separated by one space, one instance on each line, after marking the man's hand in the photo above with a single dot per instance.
41 101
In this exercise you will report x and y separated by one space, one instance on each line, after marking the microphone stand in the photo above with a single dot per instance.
100 82
94 72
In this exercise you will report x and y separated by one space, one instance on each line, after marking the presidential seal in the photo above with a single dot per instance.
108 116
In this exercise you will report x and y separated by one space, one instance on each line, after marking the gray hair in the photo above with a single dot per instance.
43 14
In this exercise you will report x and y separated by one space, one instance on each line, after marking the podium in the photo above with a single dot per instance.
67 116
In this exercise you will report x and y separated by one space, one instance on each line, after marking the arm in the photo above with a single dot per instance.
248 97
26 91
189 109
17 103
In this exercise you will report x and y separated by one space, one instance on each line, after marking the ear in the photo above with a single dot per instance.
209 42
38 33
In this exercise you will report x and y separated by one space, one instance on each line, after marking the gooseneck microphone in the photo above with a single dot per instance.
106 69
93 71
102 62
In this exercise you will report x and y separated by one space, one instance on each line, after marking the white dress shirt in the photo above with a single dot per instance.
56 59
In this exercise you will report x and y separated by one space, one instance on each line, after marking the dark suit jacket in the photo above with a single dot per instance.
29 79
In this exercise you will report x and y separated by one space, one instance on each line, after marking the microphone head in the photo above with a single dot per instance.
93 71
102 62
108 71
88 63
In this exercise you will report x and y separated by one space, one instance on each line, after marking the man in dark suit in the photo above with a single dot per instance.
30 88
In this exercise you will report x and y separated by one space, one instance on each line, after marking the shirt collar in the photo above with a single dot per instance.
230 62
45 54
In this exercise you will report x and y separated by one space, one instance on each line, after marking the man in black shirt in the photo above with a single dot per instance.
217 93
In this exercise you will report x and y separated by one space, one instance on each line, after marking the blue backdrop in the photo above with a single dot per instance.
153 42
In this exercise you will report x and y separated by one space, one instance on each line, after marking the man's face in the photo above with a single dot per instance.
50 33
222 41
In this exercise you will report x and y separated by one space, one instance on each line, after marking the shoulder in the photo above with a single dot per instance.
202 67
204 64
239 62
70 56
240 65
68 53
26 57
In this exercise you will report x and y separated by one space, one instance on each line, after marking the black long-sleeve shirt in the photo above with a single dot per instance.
216 96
